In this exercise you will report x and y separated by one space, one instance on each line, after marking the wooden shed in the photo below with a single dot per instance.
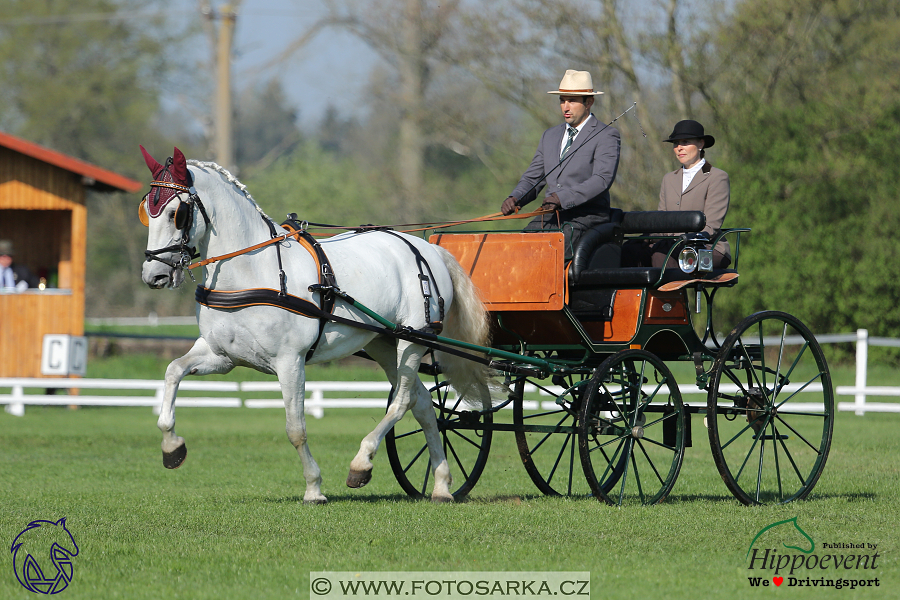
43 212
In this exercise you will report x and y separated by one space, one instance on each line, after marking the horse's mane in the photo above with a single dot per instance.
230 179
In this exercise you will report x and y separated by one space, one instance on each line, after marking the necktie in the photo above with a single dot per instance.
572 133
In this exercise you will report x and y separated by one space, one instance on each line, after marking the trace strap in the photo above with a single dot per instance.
433 326
327 282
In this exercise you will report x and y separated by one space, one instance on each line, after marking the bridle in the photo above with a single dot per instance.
184 220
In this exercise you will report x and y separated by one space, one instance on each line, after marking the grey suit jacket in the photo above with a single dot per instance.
582 182
709 192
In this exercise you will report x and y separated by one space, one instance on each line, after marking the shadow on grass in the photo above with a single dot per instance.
849 497
376 498
674 499
340 498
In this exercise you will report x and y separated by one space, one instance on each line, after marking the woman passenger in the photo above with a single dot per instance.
696 185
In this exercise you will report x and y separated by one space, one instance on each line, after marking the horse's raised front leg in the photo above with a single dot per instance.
292 378
401 363
200 360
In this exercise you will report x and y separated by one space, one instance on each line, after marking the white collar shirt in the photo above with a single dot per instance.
565 136
687 175
7 279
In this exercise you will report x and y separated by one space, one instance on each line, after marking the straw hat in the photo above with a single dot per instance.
576 83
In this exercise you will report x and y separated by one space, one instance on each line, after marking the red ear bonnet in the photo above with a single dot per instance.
154 166
175 171
179 168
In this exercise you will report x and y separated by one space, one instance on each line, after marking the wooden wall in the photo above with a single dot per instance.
43 212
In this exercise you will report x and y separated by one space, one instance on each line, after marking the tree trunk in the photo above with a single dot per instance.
411 144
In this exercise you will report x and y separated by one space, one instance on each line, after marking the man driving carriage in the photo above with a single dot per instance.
576 160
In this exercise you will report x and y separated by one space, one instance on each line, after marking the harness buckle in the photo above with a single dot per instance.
426 285
327 291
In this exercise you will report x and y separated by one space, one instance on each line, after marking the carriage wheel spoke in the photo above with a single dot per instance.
559 458
749 452
459 462
797 433
791 459
637 476
466 438
628 451
777 463
609 463
547 436
403 435
650 460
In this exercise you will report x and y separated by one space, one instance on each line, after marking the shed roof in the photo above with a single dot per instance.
93 176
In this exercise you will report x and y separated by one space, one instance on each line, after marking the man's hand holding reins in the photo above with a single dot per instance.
510 206
551 203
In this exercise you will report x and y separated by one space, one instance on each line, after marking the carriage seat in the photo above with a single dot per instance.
597 260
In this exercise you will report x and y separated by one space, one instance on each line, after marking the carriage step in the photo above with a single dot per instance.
771 437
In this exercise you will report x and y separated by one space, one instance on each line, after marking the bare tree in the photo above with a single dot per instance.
407 35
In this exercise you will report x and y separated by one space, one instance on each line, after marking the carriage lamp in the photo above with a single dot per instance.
688 259
706 259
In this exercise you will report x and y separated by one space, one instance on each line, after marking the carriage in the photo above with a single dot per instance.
582 346
595 409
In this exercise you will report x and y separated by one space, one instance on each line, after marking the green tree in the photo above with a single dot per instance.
87 78
265 126
811 124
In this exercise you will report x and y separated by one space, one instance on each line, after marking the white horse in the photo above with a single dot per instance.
203 205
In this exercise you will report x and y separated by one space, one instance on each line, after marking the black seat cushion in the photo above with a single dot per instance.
600 248
663 221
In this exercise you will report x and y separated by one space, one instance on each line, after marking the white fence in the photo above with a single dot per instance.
316 401
314 405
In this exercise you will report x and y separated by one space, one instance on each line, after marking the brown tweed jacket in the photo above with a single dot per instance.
709 192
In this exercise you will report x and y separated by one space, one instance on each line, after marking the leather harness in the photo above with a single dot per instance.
327 288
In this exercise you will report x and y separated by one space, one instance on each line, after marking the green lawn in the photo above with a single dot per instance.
230 524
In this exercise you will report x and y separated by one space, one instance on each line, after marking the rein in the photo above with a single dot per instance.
361 229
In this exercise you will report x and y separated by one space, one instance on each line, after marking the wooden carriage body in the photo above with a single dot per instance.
525 286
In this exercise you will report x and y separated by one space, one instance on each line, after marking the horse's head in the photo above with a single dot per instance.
172 224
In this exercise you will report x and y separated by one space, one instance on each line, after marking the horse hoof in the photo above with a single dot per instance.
441 499
316 501
174 459
357 479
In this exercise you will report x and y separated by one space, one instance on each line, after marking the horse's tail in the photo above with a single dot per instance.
466 321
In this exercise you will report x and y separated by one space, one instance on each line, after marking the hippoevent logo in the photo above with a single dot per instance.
42 556
782 553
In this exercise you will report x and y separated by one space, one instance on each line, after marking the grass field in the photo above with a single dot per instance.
230 524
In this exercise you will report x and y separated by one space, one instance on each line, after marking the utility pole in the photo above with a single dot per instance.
222 39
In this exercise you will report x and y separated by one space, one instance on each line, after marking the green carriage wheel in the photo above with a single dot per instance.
465 437
545 414
770 409
632 430
547 436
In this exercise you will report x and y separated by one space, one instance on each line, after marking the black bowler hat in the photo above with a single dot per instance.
690 130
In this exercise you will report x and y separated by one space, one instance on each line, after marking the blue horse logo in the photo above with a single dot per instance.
38 541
